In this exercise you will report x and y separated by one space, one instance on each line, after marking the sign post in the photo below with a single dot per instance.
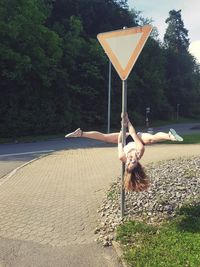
123 48
124 110
109 95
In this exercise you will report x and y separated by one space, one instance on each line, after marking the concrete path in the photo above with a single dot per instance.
48 208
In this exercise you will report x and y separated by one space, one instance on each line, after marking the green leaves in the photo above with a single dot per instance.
176 36
53 71
29 53
182 81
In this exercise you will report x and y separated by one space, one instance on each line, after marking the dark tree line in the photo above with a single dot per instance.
54 74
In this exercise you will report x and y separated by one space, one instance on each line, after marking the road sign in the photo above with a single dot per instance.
124 46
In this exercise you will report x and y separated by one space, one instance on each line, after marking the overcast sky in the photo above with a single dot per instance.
158 10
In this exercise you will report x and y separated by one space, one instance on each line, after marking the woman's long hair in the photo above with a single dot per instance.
136 179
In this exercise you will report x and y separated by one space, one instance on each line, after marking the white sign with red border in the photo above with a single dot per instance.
124 46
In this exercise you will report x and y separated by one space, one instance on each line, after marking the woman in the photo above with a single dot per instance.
135 178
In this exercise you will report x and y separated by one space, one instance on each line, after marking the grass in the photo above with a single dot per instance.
172 244
112 194
191 139
187 139
174 121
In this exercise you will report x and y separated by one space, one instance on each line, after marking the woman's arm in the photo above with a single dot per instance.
121 153
139 146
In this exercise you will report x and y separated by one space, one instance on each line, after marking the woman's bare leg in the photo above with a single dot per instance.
110 138
155 138
146 138
160 137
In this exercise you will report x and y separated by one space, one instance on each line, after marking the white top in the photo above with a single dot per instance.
129 147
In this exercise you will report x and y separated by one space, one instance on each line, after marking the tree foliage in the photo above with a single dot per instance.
29 56
54 73
176 36
181 78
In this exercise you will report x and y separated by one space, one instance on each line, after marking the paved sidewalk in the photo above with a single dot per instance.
48 208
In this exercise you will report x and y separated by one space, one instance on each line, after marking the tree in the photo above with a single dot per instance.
29 54
83 61
147 83
180 66
96 15
54 73
176 36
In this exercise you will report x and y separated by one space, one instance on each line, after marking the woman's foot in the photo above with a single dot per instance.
174 136
77 133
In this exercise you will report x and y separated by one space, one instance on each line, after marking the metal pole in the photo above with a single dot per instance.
124 110
109 96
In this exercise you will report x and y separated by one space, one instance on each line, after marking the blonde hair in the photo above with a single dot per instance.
136 179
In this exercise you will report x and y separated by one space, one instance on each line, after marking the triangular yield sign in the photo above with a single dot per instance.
124 46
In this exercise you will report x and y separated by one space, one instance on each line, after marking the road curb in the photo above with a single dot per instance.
13 172
119 252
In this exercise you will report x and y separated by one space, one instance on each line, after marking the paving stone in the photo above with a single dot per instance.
54 200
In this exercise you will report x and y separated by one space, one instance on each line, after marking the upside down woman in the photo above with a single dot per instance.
135 178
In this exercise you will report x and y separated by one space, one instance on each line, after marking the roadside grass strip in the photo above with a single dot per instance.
187 139
174 243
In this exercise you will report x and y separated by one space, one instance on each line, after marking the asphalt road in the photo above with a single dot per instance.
13 155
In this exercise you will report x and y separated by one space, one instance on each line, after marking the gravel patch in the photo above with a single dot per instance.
174 183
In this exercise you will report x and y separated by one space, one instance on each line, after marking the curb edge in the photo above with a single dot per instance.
10 174
119 252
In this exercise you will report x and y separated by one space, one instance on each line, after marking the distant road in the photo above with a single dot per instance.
13 155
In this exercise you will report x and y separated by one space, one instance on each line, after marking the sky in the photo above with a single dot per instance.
158 10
